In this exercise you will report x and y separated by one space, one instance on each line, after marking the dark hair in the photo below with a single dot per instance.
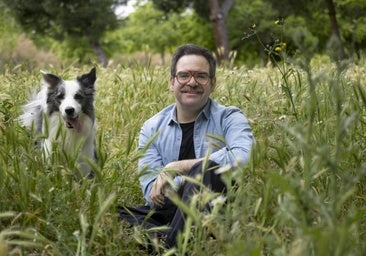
192 49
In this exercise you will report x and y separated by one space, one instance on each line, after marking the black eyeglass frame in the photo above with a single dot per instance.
192 73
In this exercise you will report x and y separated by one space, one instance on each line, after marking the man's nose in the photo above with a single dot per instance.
192 81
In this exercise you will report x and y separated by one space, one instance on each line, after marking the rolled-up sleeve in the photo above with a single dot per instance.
238 139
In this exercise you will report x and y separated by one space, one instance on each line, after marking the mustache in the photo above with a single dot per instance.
191 90
195 89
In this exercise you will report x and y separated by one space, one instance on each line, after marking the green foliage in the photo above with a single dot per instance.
9 33
67 22
240 20
353 24
153 31
60 18
150 30
8 27
302 193
167 6
201 7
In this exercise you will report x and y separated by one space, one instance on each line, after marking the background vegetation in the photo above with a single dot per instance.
83 32
303 192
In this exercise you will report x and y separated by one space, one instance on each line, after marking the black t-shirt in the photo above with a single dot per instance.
187 147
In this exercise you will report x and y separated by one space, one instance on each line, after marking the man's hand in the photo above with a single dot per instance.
162 184
158 189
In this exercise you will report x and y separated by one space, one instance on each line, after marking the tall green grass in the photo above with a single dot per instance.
302 193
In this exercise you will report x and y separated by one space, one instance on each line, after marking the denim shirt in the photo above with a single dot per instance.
219 131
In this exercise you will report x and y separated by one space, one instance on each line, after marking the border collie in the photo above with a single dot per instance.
63 112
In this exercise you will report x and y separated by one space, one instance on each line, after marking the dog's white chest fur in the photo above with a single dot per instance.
76 144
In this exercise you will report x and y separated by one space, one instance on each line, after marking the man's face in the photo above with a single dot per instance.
192 84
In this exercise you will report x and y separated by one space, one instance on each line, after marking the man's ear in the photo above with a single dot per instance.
213 83
171 84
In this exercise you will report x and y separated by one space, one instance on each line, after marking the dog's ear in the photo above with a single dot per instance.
51 80
88 79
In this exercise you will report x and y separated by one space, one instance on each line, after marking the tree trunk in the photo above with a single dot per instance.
102 57
335 28
218 20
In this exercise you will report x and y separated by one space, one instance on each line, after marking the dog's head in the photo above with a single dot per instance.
72 98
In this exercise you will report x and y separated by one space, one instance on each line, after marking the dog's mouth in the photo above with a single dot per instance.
73 123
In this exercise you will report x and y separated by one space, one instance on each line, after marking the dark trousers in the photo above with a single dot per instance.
169 214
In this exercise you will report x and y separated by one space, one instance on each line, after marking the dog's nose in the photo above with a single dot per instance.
70 111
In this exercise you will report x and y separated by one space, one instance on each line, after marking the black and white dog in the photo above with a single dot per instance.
63 112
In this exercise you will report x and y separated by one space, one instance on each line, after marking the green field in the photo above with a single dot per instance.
303 192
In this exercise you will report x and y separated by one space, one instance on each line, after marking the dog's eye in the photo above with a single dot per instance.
60 96
78 96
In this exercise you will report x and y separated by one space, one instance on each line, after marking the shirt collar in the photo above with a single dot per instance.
206 110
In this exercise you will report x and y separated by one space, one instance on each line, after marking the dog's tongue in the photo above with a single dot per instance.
73 123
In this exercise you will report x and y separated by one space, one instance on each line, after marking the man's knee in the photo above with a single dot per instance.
202 166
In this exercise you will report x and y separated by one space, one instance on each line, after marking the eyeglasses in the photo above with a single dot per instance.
184 77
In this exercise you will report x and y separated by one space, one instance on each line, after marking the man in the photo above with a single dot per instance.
179 138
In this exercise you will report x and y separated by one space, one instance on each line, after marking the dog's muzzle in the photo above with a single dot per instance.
72 121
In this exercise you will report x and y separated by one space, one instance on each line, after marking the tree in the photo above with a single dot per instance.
214 10
218 20
346 19
353 24
335 29
68 19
